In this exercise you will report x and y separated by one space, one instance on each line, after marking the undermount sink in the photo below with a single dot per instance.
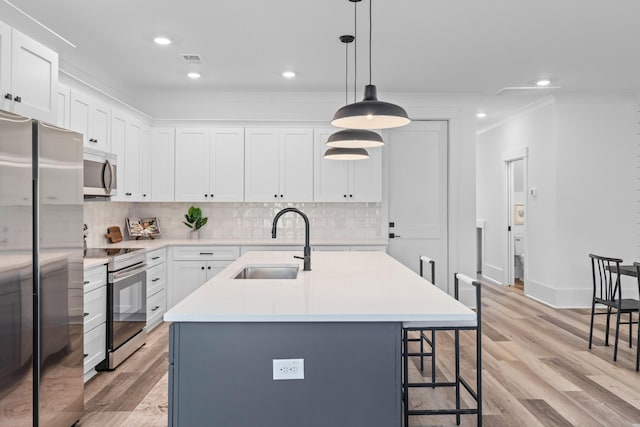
268 272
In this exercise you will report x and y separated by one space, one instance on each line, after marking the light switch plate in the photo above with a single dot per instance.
288 369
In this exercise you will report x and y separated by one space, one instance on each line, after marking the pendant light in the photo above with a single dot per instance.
353 138
370 113
335 153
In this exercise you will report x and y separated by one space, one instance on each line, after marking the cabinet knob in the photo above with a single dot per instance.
127 194
211 195
206 195
209 268
275 195
17 99
202 268
350 195
8 96
281 196
144 195
84 355
85 314
344 195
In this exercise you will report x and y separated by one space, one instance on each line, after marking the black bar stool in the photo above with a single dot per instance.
459 380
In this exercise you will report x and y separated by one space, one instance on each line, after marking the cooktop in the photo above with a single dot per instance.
108 252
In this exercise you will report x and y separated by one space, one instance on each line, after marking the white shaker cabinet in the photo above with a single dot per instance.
194 265
209 165
28 76
279 165
145 164
346 181
162 152
92 119
125 144
95 317
64 107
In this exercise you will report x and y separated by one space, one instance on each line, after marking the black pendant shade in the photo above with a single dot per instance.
370 113
355 138
335 153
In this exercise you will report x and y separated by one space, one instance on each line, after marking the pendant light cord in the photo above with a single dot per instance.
370 33
346 73
355 50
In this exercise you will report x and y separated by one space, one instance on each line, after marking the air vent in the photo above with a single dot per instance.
525 90
192 58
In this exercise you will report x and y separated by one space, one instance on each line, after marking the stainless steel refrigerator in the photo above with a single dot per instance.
41 249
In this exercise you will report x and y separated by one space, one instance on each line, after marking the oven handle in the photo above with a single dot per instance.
126 273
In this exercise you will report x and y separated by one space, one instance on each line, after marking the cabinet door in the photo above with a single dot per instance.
365 178
187 277
162 154
80 116
215 267
331 177
132 175
226 165
192 165
296 165
64 106
34 78
118 141
100 117
5 65
145 164
262 165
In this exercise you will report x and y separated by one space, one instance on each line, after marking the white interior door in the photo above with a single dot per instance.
418 195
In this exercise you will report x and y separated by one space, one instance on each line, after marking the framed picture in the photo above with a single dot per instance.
143 227
518 214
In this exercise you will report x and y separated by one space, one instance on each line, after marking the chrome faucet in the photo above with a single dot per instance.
307 248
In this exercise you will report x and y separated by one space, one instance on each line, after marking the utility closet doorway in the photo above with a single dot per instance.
516 229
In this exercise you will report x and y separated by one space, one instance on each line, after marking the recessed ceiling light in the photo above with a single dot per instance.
193 75
543 82
289 74
162 40
481 115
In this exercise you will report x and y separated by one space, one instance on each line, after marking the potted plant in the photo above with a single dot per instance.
195 221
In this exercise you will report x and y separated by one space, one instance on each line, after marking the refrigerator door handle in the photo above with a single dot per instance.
107 187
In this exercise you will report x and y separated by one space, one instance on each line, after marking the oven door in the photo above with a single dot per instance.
127 304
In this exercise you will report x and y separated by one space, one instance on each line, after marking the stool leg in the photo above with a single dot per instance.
593 308
421 351
405 383
457 339
630 328
615 345
433 357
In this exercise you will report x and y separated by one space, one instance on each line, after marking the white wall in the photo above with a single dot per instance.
582 164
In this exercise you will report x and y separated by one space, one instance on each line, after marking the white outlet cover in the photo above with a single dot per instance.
288 369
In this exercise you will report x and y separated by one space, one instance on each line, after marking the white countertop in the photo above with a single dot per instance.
94 262
342 287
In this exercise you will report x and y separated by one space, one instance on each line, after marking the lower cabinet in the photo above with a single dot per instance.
156 287
95 318
194 265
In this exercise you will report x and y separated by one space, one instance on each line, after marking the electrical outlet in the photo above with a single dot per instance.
288 369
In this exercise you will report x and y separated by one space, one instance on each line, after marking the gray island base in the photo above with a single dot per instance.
220 374
344 319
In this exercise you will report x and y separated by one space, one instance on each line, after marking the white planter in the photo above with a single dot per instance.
195 235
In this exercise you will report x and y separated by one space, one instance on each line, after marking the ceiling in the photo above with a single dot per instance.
447 46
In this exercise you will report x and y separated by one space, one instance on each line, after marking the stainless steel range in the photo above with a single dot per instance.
126 302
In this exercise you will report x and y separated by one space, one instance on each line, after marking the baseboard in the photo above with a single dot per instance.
558 297
492 273
490 280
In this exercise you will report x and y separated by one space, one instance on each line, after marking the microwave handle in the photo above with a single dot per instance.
107 187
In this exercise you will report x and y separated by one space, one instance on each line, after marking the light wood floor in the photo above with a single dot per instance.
537 371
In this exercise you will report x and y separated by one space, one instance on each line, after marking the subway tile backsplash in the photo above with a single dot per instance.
329 221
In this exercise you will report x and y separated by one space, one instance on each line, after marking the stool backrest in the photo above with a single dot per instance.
432 263
605 273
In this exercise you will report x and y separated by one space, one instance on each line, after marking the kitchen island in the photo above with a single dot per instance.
343 319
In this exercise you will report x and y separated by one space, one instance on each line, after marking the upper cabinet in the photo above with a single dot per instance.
346 181
92 119
64 107
161 154
279 165
209 165
145 163
28 76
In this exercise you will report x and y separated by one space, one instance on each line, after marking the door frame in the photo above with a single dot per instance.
521 153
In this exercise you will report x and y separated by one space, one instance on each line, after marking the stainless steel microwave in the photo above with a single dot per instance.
100 172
